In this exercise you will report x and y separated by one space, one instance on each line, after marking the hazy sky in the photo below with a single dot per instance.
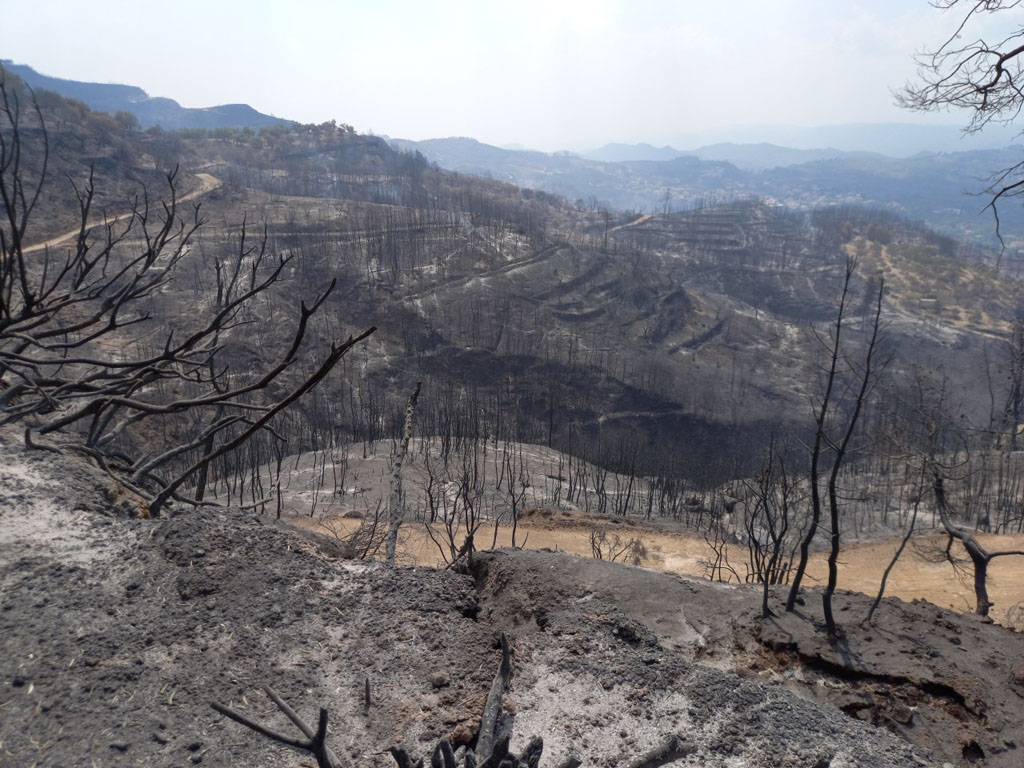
550 74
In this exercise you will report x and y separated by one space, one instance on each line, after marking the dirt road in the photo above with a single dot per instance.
207 183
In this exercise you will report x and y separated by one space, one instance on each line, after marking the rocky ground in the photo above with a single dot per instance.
117 633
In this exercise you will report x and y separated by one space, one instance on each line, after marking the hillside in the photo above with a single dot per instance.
119 633
252 332
669 345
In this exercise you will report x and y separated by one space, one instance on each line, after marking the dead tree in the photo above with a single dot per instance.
857 388
980 555
770 520
820 422
611 546
840 449
77 332
514 474
984 76
892 564
941 448
396 508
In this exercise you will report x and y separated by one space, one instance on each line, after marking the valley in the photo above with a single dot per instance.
234 363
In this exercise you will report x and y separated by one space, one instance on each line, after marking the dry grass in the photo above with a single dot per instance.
861 565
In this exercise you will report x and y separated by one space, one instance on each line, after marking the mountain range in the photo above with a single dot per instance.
752 157
821 166
946 191
148 110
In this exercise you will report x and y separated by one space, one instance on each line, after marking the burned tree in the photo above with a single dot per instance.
396 508
493 739
982 75
772 522
940 449
979 554
82 351
834 430
315 743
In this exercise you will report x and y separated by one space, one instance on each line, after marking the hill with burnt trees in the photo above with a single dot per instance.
671 345
186 317
945 190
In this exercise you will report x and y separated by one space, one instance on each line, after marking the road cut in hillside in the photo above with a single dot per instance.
207 183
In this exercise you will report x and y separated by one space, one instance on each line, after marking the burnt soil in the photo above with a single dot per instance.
117 633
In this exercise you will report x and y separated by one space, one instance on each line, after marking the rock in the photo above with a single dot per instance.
1017 675
899 712
439 680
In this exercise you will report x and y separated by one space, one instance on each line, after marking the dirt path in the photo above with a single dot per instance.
207 183
542 254
635 222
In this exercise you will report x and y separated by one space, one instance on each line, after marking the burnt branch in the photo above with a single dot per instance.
86 351
315 742
983 76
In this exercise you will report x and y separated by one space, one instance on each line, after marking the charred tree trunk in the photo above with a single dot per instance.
396 510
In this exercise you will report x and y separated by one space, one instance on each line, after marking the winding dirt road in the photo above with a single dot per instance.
207 183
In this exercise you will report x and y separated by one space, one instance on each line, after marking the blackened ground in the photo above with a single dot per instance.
117 633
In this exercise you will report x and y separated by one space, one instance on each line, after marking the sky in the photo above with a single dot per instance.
547 74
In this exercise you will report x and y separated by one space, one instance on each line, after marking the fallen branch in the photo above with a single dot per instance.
492 708
673 748
316 743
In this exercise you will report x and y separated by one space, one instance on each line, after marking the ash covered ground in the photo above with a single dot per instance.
116 634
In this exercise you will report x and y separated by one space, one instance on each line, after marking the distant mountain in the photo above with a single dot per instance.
148 110
762 156
460 152
751 157
891 139
929 187
618 153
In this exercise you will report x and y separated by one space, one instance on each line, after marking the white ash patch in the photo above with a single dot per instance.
43 512
575 713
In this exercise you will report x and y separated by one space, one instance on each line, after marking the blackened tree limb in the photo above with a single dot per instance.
492 708
260 729
336 353
315 743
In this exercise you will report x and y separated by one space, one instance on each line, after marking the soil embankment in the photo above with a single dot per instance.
920 574
117 633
